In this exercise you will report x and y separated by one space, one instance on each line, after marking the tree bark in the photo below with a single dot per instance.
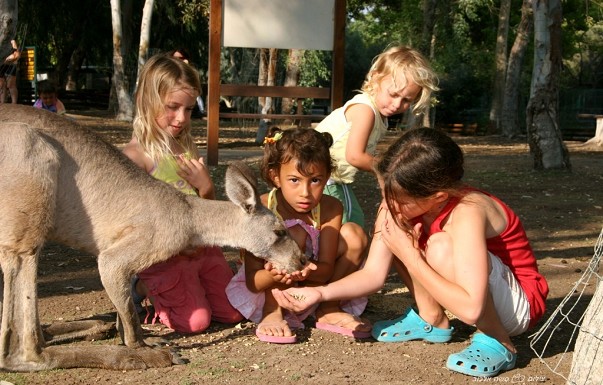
267 76
587 363
262 75
429 20
426 48
145 34
510 106
544 135
124 101
75 62
501 66
294 61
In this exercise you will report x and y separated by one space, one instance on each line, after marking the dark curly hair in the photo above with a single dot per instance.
307 146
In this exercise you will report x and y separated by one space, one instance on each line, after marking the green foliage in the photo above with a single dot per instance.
56 32
315 69
359 55
462 46
582 44
193 12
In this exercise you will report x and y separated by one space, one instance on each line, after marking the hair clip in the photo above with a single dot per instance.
274 138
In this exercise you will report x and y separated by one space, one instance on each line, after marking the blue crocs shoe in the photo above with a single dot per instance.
485 357
408 327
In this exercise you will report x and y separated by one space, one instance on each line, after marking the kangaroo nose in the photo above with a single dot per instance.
303 260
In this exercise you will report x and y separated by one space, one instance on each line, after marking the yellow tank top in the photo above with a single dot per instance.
167 171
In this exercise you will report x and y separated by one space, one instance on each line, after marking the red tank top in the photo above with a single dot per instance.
513 249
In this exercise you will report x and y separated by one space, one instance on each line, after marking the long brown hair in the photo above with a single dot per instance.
420 163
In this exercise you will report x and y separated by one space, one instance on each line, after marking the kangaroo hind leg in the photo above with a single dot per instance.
28 182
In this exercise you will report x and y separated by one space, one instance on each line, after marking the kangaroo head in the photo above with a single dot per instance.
262 233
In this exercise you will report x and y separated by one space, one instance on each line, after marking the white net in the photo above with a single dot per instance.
569 314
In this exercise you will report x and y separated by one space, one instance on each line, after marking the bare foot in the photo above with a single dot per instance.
273 328
274 325
342 322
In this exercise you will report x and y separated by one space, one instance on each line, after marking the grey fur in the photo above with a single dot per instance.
61 182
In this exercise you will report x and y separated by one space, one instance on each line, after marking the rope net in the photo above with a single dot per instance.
570 314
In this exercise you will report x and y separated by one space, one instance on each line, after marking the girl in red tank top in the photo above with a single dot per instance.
455 247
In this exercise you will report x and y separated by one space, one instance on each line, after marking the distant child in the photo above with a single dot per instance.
187 291
297 164
48 99
462 249
399 78
8 74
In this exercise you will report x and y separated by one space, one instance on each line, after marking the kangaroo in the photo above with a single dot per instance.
62 182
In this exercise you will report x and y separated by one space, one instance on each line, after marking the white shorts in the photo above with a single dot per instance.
509 298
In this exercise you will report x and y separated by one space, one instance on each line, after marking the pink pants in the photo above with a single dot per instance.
188 291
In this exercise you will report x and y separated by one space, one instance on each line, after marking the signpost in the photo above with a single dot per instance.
27 74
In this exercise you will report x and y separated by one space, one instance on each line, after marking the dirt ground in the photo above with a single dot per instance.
562 213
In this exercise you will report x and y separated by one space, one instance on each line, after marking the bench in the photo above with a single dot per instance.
297 93
598 137
462 128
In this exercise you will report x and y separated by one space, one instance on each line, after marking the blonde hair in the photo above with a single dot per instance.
403 64
160 75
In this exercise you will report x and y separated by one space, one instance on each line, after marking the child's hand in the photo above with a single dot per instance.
304 273
400 242
282 276
278 276
196 174
297 299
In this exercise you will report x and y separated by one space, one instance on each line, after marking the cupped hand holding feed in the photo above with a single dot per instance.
278 275
282 276
297 299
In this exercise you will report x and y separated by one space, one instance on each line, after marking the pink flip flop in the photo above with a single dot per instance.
343 331
275 339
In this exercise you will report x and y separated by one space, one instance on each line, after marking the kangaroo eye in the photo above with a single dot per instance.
280 233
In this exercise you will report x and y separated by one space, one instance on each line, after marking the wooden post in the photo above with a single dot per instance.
213 85
587 362
214 81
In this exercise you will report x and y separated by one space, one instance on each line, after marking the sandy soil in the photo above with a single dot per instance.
562 213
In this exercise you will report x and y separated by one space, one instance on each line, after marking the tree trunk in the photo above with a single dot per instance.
426 48
262 75
124 101
587 363
8 25
544 135
267 76
294 61
501 66
145 35
510 107
75 63
429 20
129 48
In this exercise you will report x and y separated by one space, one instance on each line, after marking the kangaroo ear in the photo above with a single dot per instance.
241 186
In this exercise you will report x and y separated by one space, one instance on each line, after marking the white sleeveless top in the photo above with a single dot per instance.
339 128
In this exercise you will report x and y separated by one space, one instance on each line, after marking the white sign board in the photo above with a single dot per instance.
300 24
